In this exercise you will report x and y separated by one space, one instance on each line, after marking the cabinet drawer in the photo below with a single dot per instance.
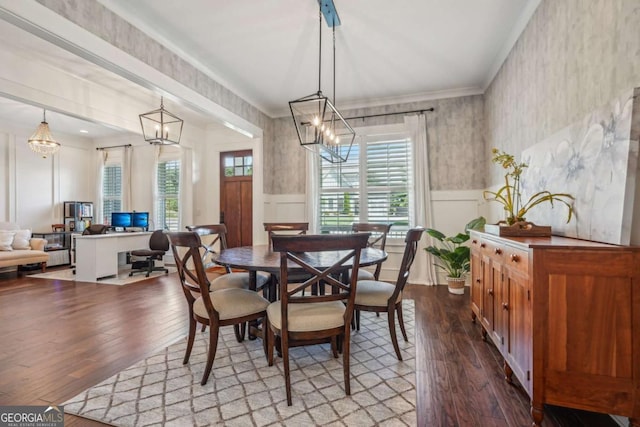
493 250
516 259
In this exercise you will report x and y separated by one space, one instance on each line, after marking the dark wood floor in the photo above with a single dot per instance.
58 338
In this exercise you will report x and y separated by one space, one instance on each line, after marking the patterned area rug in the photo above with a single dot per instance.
244 391
121 279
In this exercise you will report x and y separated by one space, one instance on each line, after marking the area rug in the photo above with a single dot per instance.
244 391
121 279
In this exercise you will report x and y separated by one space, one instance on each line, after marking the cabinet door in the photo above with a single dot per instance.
492 272
519 346
477 273
501 299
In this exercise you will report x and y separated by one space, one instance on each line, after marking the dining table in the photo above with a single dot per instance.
262 258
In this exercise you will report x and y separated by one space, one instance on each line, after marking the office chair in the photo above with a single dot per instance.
158 246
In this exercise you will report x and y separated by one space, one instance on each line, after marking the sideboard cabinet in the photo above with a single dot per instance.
565 315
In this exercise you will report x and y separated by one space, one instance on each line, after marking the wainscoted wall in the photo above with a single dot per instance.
451 210
573 57
457 152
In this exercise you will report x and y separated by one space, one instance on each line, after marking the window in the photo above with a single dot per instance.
167 206
111 191
373 185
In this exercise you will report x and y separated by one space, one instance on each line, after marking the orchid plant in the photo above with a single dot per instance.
509 194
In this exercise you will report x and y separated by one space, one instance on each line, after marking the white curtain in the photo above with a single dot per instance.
313 189
186 187
154 190
100 161
126 179
423 270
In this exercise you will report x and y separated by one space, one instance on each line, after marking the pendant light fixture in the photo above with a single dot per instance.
319 125
161 127
41 141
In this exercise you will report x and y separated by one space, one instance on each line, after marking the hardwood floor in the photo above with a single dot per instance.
58 338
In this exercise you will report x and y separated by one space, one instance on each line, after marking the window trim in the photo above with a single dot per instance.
366 135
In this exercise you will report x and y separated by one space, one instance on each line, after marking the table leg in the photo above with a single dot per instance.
253 286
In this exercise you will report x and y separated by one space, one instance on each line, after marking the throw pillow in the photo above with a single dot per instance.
21 240
6 238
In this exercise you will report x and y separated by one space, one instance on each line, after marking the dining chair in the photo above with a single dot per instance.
217 308
298 319
377 240
288 229
213 235
379 297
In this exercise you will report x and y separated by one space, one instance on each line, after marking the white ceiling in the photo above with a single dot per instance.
267 52
387 51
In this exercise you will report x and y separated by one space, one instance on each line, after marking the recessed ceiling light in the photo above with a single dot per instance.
84 131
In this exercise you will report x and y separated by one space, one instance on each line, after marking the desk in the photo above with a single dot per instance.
97 254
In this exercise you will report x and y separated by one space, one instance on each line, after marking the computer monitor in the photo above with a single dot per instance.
140 219
121 219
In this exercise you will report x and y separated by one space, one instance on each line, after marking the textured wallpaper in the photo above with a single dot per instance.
455 128
456 145
573 57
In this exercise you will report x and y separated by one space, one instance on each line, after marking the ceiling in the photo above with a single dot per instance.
386 51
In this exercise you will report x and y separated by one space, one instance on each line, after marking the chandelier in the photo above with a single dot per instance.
319 125
41 141
161 127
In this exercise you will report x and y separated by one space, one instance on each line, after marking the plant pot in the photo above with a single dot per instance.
456 285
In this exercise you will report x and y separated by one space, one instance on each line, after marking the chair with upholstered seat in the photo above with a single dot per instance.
285 228
217 308
377 240
158 246
215 235
299 319
379 297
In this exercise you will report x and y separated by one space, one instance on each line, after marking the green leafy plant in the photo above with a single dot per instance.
452 255
509 194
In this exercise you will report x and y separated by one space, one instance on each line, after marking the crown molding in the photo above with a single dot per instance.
380 102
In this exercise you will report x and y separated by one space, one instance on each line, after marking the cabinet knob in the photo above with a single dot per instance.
482 245
515 258
505 306
474 241
477 280
490 291
498 251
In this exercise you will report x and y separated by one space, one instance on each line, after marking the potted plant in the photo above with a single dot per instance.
452 256
511 199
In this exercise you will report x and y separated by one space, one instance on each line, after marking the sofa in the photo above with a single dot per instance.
17 247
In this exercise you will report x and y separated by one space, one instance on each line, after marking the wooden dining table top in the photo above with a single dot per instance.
262 258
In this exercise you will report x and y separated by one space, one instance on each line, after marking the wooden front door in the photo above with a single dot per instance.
236 200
